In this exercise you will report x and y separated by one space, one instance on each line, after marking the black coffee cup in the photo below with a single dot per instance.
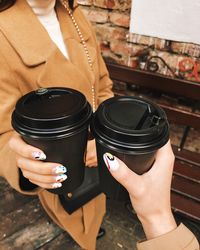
132 129
56 121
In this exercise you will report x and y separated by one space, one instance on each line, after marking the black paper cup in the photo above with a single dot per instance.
56 121
132 129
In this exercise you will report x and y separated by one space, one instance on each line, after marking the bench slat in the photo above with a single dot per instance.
186 206
186 187
188 171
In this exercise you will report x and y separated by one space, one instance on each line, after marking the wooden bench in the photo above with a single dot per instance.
186 177
25 225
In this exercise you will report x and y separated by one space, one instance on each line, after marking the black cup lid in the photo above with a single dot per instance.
130 123
50 111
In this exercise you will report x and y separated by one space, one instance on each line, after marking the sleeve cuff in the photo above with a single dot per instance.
178 239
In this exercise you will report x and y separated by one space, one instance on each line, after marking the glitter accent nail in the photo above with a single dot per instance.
61 177
57 185
39 156
59 170
111 162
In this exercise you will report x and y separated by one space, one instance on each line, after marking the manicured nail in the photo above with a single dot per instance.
59 170
111 162
39 156
61 177
57 185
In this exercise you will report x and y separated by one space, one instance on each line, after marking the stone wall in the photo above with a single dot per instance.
111 20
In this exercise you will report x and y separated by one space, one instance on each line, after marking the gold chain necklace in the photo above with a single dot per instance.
65 4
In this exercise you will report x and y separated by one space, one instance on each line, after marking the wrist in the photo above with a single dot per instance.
157 225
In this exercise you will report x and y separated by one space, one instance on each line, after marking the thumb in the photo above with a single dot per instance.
121 172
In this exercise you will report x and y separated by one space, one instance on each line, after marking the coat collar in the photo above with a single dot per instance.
34 46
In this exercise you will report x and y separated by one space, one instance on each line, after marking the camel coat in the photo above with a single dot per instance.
179 239
30 60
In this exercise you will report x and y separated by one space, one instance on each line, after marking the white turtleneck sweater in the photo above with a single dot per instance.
45 12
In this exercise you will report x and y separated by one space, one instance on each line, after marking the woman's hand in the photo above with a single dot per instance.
150 192
43 174
91 155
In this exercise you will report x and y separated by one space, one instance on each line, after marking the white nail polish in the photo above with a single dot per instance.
61 177
111 162
59 170
39 156
57 185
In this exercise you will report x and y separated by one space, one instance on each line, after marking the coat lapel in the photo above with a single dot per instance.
16 23
35 47
55 71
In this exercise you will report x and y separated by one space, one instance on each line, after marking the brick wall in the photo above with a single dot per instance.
111 21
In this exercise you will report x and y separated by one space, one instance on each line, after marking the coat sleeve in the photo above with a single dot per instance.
179 239
9 94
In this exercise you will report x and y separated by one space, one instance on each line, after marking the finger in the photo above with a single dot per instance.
44 178
92 162
91 150
91 157
164 163
122 173
42 168
165 152
22 148
47 185
91 144
164 157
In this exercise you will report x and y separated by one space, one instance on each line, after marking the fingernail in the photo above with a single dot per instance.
111 162
59 170
61 177
57 185
39 156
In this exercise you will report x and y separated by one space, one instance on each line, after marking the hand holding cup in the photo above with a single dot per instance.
30 160
131 128
54 120
150 192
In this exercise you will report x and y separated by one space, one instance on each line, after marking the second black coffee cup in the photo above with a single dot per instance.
56 121
132 129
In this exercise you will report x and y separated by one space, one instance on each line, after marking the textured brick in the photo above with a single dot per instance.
173 62
186 48
109 33
113 4
98 16
111 20
198 65
109 56
120 19
85 2
122 48
157 43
